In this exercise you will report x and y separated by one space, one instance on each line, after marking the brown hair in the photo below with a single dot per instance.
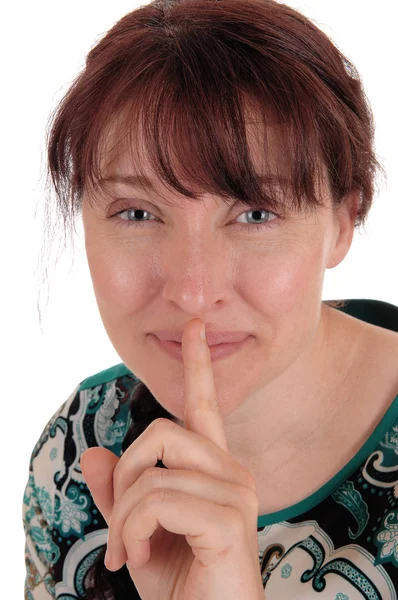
182 74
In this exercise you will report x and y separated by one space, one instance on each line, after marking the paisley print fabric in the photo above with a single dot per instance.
340 543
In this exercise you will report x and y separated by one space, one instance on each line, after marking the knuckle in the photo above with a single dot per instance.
127 532
249 499
155 476
158 496
111 523
117 475
250 481
253 501
116 518
159 423
236 523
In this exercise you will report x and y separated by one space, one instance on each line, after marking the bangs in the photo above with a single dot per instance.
241 150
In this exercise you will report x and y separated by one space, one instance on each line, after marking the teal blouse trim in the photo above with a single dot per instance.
102 377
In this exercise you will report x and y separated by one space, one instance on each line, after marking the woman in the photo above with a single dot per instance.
221 156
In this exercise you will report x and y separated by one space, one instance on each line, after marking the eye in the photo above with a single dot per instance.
258 215
142 217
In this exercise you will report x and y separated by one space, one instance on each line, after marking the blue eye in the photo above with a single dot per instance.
141 213
126 222
258 216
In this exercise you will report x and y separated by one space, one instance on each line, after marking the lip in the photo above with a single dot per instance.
217 351
212 337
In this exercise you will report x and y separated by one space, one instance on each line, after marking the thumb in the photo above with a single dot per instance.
97 466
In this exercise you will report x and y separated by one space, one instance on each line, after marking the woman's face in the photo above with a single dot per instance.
194 261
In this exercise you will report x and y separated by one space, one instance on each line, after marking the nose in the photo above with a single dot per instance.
196 274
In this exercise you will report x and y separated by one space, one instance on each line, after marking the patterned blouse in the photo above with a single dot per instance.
340 543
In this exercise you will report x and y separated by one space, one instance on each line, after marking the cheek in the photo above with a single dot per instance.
121 279
283 283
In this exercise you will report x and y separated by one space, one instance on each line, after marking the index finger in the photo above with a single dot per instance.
201 409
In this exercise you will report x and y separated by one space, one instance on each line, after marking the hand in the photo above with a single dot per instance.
188 531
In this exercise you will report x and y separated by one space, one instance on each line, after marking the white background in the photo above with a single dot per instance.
43 47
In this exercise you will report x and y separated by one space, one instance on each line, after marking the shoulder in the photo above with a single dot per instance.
375 321
61 522
367 330
111 374
96 413
378 350
381 351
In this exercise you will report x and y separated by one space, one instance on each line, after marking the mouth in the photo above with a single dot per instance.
217 351
213 337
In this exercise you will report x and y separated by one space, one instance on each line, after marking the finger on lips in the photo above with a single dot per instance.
197 452
201 410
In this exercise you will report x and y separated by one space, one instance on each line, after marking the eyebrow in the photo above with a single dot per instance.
132 180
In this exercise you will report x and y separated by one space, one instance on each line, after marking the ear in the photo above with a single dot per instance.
345 216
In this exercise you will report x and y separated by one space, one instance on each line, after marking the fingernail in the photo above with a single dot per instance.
203 332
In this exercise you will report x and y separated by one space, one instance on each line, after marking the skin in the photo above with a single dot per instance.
267 282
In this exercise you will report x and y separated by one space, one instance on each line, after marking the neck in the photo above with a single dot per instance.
297 408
